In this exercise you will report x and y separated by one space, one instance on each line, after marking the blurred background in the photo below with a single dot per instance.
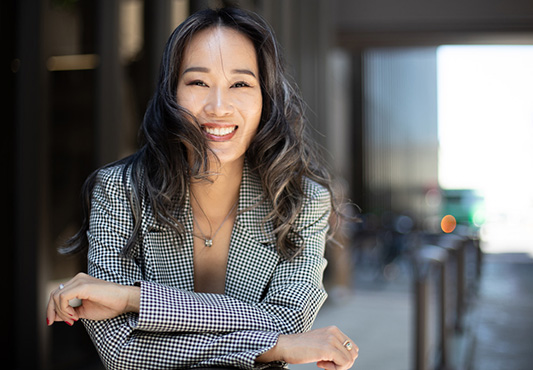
425 113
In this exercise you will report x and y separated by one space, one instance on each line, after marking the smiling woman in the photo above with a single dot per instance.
206 247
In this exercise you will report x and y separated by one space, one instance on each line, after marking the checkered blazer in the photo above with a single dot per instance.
265 295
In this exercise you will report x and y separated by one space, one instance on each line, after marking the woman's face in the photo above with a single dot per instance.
219 84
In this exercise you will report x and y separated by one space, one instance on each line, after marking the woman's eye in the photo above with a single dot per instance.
241 84
197 83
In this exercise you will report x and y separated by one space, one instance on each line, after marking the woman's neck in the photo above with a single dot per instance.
218 196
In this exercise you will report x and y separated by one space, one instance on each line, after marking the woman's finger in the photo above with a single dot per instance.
334 353
343 359
50 311
346 350
63 311
327 365
350 351
351 347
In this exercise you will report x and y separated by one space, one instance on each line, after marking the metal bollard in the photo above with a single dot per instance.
427 259
461 285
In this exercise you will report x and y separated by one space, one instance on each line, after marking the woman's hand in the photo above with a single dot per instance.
330 348
100 300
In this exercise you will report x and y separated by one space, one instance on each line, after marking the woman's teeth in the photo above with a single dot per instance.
219 131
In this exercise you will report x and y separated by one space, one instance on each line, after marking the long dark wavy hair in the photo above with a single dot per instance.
281 153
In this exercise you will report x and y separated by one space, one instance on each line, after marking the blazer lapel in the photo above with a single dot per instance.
172 257
252 256
185 253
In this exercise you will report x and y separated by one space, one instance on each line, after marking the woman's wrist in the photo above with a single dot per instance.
133 299
274 353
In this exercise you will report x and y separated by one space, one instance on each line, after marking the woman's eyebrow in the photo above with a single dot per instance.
244 71
196 69
206 70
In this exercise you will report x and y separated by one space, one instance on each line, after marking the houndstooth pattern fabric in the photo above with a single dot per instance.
265 295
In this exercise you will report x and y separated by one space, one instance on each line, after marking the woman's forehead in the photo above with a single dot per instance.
220 47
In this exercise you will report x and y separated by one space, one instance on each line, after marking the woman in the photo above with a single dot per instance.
205 247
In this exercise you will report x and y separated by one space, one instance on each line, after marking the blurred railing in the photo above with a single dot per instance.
452 265
445 271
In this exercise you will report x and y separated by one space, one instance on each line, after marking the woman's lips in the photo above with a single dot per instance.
215 132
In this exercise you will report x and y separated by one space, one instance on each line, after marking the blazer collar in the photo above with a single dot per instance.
253 208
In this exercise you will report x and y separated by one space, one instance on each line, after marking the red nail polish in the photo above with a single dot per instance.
47 321
68 323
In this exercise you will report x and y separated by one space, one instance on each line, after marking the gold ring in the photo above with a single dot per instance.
348 345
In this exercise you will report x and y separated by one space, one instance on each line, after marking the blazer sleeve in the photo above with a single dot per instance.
177 329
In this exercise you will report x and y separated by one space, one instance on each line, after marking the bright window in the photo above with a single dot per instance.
485 102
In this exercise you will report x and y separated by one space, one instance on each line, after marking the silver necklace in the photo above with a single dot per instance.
208 241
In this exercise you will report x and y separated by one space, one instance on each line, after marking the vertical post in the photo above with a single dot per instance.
421 285
109 85
156 32
461 284
30 184
358 133
479 258
443 319
8 23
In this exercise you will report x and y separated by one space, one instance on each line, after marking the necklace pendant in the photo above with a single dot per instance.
208 242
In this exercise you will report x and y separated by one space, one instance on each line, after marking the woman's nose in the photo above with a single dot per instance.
218 103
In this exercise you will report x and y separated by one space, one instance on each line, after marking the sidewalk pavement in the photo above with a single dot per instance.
502 317
498 326
379 317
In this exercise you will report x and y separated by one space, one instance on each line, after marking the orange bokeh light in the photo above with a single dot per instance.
448 224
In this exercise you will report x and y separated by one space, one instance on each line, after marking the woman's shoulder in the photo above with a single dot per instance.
115 177
317 197
112 173
315 191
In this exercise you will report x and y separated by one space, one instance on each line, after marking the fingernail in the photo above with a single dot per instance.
69 323
47 321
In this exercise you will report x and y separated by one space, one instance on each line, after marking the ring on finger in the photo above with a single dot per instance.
74 302
348 345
